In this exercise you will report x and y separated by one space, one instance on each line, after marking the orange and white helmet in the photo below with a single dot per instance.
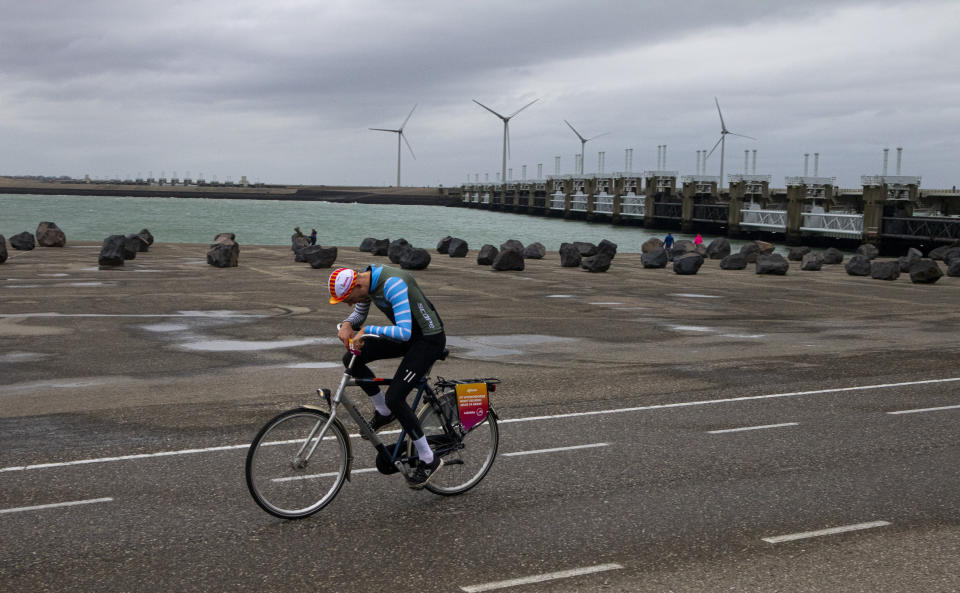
342 282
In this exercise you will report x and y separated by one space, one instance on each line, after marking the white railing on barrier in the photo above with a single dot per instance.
633 206
764 219
557 200
578 202
603 203
838 224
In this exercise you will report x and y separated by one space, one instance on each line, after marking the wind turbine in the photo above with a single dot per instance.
583 143
399 133
506 132
722 142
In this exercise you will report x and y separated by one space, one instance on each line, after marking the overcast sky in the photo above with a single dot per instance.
284 91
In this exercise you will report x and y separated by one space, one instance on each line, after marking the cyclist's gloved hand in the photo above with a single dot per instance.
356 343
345 334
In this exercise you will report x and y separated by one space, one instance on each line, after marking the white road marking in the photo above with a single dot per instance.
513 420
554 450
55 505
762 427
832 531
727 400
918 410
691 295
540 578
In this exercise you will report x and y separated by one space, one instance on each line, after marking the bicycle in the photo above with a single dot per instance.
299 461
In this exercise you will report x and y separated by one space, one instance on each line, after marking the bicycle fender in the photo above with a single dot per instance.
339 425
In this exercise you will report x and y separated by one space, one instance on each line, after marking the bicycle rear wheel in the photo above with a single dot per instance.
467 459
281 480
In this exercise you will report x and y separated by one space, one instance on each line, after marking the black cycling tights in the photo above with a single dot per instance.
418 354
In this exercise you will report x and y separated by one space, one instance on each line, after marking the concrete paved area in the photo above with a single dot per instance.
170 355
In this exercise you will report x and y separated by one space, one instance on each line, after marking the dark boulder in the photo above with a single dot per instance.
885 270
858 265
444 245
50 235
224 253
656 258
111 253
415 259
585 249
23 241
765 248
297 242
569 255
597 263
458 248
734 261
912 257
487 254
651 244
953 270
222 236
380 247
608 247
3 249
132 246
396 250
925 271
952 254
147 236
773 264
811 262
750 251
939 252
509 260
511 244
302 254
832 256
719 248
687 264
797 253
534 251
320 257
681 247
868 250
366 245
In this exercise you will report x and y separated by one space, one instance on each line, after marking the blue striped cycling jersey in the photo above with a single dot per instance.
397 294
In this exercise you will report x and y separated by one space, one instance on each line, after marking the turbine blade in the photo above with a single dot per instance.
524 107
408 118
599 135
582 139
723 126
404 136
384 130
742 136
490 110
715 146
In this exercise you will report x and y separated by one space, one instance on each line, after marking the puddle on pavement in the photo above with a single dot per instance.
691 295
500 346
22 357
252 345
166 327
559 296
690 328
314 365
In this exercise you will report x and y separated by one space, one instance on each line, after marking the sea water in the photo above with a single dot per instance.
271 222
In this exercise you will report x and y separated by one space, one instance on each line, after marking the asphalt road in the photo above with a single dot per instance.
658 433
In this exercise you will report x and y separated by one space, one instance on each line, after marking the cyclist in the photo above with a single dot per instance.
419 338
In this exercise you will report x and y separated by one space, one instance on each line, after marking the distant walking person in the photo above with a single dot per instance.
668 242
313 237
698 239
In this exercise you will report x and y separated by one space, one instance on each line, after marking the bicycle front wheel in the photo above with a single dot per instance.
284 477
465 460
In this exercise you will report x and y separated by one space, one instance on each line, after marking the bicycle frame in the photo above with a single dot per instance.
341 398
